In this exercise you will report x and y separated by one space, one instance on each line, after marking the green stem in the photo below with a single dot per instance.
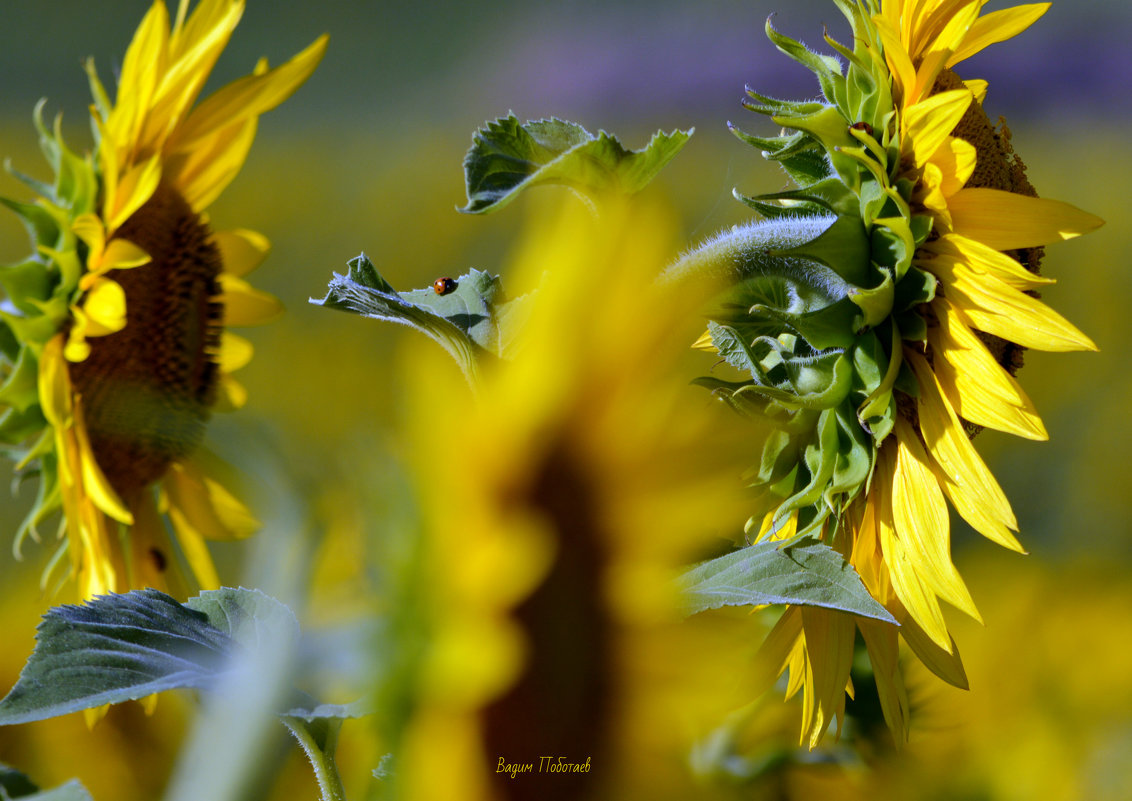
320 755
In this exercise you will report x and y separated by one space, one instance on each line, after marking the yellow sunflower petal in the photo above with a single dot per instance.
235 352
193 51
121 254
195 551
134 188
704 343
1007 221
799 667
867 556
149 548
202 173
89 228
978 88
903 72
231 395
930 191
997 308
95 485
245 305
910 588
957 24
829 646
907 583
774 654
137 81
969 484
932 25
998 26
105 307
977 386
920 515
248 97
241 250
205 506
942 660
54 383
929 123
94 715
982 259
956 162
883 644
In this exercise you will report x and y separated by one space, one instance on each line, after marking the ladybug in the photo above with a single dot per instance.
862 126
442 286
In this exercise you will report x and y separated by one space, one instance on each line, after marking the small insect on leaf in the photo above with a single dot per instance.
862 126
442 286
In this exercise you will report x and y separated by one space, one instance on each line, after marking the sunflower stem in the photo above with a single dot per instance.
321 755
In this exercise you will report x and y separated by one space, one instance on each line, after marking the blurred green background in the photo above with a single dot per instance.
367 156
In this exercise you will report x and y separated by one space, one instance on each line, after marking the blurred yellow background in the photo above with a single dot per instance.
367 156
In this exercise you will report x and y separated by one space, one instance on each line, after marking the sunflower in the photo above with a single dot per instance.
558 503
880 312
113 331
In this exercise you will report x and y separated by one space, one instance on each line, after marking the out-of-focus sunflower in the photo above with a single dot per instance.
880 313
560 501
113 340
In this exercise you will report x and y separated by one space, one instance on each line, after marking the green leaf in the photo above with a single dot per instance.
464 320
41 225
112 649
20 389
246 616
470 305
71 791
804 575
14 784
316 729
16 426
507 157
312 712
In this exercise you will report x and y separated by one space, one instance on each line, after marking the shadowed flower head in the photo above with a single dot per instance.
113 334
879 316
561 499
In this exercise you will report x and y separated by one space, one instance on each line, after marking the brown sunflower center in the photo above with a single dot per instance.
147 389
562 703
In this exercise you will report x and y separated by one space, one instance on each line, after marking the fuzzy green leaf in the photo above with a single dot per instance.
71 791
507 157
122 647
246 616
764 573
14 784
465 318
112 649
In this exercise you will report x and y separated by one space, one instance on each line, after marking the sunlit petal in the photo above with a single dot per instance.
1007 221
998 26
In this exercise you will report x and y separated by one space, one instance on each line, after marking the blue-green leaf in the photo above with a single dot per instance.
71 791
246 616
112 649
14 784
464 317
507 157
804 575
122 647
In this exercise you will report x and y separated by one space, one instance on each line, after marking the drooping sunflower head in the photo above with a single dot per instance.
878 316
115 348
